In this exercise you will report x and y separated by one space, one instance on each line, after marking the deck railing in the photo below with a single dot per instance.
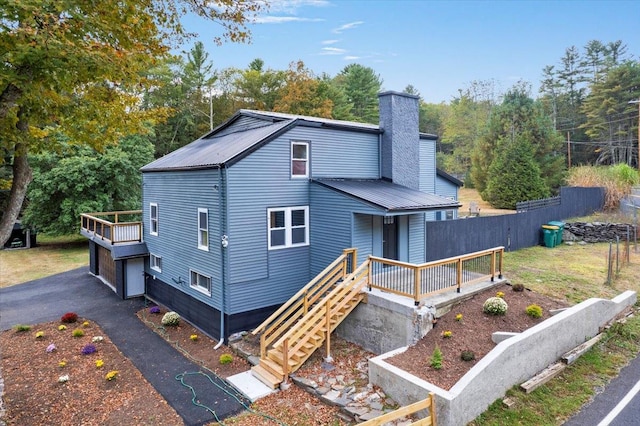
113 227
420 281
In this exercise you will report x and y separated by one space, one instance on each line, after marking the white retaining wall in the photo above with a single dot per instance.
511 362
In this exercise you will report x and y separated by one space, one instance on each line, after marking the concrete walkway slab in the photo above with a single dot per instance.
250 386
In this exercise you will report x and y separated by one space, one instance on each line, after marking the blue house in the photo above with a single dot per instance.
239 220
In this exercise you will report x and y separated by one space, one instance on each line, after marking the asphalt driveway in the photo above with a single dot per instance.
77 291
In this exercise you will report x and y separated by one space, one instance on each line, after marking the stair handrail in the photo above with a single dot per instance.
341 262
349 283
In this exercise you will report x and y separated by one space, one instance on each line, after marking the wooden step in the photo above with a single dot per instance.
275 356
265 376
272 367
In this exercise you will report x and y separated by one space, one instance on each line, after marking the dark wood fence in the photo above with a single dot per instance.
449 238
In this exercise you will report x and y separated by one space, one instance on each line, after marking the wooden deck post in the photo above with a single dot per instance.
459 275
416 286
328 337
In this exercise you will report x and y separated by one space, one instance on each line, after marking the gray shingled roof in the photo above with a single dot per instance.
387 195
211 150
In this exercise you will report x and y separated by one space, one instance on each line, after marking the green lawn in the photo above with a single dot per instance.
51 256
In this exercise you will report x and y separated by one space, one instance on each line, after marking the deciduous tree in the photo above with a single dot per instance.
76 68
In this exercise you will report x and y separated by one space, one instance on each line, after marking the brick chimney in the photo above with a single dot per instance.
399 116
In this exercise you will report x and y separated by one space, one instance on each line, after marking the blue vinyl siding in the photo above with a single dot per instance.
258 276
416 238
447 189
332 224
428 166
363 235
339 153
179 195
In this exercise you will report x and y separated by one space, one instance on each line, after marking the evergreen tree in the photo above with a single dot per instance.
361 86
514 175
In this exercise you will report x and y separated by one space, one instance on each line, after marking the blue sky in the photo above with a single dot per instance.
437 46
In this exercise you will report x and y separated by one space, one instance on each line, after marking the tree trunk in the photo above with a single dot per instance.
21 178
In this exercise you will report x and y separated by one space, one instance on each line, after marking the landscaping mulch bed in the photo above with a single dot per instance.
33 394
471 333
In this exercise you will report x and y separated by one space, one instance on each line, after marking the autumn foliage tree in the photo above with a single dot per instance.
75 68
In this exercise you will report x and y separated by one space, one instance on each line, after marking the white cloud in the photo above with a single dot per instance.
348 26
326 42
332 51
351 58
292 6
284 19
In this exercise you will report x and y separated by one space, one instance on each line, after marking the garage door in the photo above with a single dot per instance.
106 266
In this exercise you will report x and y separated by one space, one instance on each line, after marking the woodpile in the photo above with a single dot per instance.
598 232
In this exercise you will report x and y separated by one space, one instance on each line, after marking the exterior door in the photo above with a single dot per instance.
135 277
390 238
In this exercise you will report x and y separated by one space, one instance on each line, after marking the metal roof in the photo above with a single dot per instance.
387 195
213 151
450 178
325 121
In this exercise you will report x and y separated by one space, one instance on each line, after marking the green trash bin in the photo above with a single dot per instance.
560 226
549 235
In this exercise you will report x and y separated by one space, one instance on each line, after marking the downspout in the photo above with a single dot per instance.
222 203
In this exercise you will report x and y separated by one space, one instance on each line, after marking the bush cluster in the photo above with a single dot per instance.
534 311
518 287
495 306
436 359
78 332
226 359
88 349
171 319
467 355
69 317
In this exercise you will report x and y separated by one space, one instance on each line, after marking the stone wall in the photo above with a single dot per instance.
598 232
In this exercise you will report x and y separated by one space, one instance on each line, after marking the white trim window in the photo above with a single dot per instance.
200 282
153 218
299 159
288 227
155 262
203 229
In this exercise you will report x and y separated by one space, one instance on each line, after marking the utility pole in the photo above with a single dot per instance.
638 102
569 150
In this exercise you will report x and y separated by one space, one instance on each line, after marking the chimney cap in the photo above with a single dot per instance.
396 93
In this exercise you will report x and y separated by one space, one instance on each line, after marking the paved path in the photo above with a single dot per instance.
617 405
77 291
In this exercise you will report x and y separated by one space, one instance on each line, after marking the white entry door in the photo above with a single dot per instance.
135 278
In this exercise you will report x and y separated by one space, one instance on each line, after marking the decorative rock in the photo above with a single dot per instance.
355 411
331 397
371 415
376 406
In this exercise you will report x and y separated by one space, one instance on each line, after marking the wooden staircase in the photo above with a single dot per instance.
303 324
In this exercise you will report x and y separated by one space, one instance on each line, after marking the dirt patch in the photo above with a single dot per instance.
35 395
471 332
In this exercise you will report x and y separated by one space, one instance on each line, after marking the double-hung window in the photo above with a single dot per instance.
288 227
155 262
299 159
200 282
203 229
153 219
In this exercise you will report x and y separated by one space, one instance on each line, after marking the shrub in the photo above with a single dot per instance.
21 328
99 363
51 348
171 319
495 306
62 363
436 358
88 349
97 339
500 295
63 379
193 337
467 355
226 359
534 311
518 287
62 327
111 375
447 334
39 334
459 317
154 310
69 317
78 332
86 324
